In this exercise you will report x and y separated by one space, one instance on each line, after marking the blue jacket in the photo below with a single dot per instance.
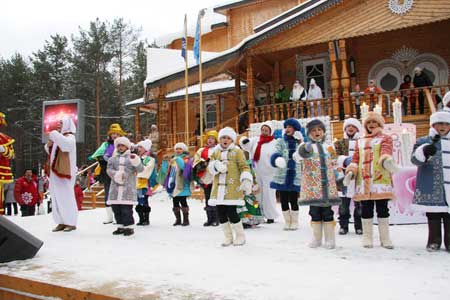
286 179
432 192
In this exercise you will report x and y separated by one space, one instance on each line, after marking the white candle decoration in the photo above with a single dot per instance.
377 109
364 111
406 148
397 107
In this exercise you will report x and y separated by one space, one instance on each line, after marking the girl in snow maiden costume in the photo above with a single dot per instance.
232 180
260 150
122 169
288 172
102 155
178 186
142 183
344 149
318 188
201 160
372 165
432 156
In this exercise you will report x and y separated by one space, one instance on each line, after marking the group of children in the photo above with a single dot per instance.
303 168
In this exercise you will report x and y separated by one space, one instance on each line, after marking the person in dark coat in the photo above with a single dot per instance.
421 80
432 155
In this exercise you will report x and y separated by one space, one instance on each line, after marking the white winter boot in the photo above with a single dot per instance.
228 234
109 215
294 220
240 235
367 238
317 235
287 219
330 234
383 229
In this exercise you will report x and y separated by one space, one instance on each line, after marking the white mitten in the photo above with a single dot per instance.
135 160
298 136
309 147
390 165
246 187
280 162
220 166
2 149
296 157
119 177
348 178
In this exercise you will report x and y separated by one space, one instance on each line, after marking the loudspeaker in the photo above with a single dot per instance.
16 243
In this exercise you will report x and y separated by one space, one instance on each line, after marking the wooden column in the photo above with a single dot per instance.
218 110
276 79
334 80
345 79
137 124
237 84
250 92
162 118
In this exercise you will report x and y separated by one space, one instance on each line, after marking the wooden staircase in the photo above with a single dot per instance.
95 197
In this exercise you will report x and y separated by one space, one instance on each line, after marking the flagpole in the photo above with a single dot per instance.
200 80
186 83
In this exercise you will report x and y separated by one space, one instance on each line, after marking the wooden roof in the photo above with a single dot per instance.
321 22
353 18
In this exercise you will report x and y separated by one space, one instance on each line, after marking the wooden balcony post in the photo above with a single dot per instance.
237 84
334 80
218 110
250 92
276 79
345 79
162 118
137 124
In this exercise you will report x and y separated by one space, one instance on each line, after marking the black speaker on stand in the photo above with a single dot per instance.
16 243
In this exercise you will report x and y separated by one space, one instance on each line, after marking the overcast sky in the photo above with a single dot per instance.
26 24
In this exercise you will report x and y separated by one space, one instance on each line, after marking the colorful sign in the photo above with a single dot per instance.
54 111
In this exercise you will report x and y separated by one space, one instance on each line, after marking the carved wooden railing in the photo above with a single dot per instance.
410 97
293 109
173 138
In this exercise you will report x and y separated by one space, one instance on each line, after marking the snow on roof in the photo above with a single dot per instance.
229 4
206 87
135 102
210 18
164 62
251 38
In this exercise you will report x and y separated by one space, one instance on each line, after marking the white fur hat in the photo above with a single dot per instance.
182 146
446 99
440 117
121 140
229 132
268 124
146 144
354 122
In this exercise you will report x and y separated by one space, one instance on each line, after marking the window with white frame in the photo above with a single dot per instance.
210 109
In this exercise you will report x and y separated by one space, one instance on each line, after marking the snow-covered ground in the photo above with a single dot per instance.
165 262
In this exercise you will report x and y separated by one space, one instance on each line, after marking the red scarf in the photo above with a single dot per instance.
262 140
204 154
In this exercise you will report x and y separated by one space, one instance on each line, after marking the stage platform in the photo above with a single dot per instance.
166 262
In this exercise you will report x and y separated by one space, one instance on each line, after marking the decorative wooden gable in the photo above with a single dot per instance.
352 18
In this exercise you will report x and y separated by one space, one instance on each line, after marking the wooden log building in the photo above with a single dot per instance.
339 43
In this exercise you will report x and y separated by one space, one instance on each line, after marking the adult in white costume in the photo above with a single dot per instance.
62 149
263 146
314 93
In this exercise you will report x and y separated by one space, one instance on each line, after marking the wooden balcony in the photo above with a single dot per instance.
339 110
